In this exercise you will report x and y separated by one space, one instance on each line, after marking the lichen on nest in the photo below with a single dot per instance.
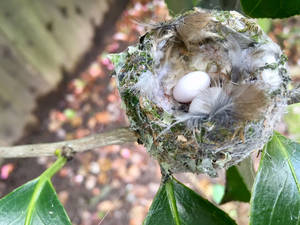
223 121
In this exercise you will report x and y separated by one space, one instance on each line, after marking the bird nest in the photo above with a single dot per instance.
203 90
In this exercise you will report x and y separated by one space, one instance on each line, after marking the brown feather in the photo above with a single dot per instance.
190 30
249 101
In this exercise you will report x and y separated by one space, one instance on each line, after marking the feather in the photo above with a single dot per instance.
227 105
191 30
249 102
216 104
238 55
148 85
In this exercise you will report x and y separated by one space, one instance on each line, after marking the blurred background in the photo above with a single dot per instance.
56 84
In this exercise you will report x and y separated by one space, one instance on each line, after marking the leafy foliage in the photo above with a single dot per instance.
176 204
255 9
236 187
276 194
265 24
176 7
239 181
292 118
35 202
271 8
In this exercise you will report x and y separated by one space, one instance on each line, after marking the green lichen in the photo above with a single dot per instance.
222 16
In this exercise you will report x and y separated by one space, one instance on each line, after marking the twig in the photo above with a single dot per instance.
294 95
113 137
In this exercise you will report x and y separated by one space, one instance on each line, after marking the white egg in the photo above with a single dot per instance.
188 87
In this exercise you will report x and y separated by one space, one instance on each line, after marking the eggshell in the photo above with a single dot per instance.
188 87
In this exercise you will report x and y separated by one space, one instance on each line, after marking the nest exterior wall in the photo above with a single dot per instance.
147 73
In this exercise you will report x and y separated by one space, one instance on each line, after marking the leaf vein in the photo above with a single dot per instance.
283 149
172 201
276 200
255 7
15 219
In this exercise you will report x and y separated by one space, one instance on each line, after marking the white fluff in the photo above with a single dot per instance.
264 55
158 53
271 78
148 85
205 101
189 86
262 60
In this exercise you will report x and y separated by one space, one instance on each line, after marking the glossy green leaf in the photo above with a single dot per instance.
239 181
276 194
231 5
176 204
180 6
271 8
34 203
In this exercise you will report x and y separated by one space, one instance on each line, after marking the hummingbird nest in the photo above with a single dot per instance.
203 90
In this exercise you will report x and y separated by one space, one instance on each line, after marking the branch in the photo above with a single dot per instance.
294 95
113 137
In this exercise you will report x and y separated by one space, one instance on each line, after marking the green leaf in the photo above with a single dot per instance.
239 181
35 202
176 204
218 193
265 24
292 118
230 5
276 194
180 6
271 8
